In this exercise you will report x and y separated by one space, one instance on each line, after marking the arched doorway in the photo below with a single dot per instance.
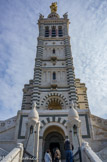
54 138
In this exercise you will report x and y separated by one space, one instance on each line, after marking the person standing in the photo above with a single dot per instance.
47 157
57 155
68 151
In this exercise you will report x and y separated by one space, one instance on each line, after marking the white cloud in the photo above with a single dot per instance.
18 33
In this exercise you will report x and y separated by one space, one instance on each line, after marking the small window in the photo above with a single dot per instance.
31 129
54 76
53 50
60 34
46 31
53 31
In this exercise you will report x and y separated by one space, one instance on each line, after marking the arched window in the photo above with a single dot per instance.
54 76
53 31
60 34
53 50
46 31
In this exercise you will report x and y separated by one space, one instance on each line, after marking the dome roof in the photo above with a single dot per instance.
73 114
53 15
33 113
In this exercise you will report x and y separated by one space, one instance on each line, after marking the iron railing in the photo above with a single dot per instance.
30 157
77 156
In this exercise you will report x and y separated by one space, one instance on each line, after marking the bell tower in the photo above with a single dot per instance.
54 89
54 71
54 106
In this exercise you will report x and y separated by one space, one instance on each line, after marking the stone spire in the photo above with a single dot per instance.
73 114
74 126
32 132
33 115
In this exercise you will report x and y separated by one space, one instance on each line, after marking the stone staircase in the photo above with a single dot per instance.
3 153
103 154
14 156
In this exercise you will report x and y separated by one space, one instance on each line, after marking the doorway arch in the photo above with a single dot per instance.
54 138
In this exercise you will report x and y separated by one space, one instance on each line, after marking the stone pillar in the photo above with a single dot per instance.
40 149
32 133
20 145
56 31
74 128
50 31
36 140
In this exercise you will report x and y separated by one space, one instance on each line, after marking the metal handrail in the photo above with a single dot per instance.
30 155
75 153
6 152
78 152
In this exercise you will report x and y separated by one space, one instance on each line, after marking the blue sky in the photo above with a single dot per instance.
18 34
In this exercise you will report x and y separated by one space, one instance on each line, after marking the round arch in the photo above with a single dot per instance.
54 103
60 126
56 97
53 137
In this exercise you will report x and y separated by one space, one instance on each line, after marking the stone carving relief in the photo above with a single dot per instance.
100 133
99 122
65 15
7 124
41 16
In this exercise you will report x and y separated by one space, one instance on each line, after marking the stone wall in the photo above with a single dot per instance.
7 134
99 128
15 155
81 95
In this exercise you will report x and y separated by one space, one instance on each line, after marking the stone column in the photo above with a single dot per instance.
50 31
32 133
76 136
20 145
74 127
56 31
36 140
40 149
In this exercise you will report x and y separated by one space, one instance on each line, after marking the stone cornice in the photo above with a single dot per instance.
56 68
53 38
45 87
50 21
38 58
50 59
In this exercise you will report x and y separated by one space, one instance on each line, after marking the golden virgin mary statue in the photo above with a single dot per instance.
53 7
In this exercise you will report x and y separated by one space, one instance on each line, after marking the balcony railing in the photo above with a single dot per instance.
53 58
54 84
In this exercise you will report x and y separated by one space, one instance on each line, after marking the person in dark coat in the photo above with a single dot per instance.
68 151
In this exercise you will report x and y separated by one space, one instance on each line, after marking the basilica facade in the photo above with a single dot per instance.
55 105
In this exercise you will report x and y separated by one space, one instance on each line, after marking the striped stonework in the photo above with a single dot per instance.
53 119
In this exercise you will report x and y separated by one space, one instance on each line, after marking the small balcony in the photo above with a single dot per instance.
54 84
53 58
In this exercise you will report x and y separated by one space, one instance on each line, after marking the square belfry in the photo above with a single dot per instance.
55 105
